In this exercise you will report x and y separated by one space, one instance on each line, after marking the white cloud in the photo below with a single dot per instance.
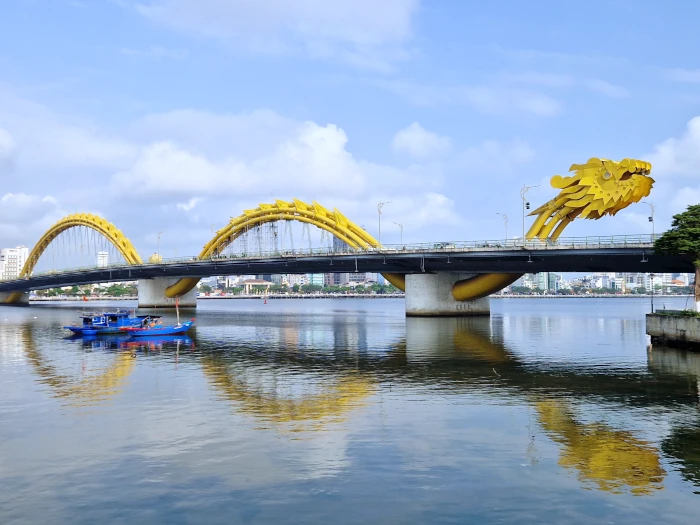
491 100
313 159
684 198
21 207
685 75
179 160
25 216
419 143
554 80
606 88
678 156
437 209
189 205
362 32
47 139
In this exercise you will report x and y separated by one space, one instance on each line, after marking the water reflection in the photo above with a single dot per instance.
454 355
611 459
91 387
95 384
306 374
271 397
683 443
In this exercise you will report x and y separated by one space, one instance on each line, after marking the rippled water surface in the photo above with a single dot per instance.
343 411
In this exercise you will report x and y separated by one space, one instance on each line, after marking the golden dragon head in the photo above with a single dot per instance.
599 187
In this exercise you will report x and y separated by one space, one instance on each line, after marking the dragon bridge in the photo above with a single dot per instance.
597 188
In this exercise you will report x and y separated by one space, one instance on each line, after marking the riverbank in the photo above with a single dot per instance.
355 296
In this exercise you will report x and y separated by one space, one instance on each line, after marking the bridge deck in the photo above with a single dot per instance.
580 255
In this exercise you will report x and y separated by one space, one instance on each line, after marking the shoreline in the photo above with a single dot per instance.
357 296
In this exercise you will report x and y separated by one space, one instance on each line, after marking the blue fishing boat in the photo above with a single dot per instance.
156 327
107 322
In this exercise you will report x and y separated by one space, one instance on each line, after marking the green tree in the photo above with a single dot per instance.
684 239
205 288
520 290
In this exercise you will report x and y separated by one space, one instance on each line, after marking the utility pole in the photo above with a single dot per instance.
400 226
505 219
651 220
379 217
526 205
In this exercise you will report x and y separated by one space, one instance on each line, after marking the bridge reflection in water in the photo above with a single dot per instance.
298 378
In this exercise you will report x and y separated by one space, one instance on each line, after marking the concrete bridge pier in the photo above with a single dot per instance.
430 295
9 298
152 294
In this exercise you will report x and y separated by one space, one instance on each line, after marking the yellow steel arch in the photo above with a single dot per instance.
100 225
333 222
597 188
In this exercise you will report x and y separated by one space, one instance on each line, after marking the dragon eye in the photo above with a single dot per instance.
607 175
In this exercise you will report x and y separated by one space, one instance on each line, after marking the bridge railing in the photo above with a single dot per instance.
505 245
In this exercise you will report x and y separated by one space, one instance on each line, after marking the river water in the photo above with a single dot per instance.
343 411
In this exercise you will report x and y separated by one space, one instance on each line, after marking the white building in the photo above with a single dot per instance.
11 261
102 259
295 278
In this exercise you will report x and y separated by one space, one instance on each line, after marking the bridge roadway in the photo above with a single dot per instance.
591 254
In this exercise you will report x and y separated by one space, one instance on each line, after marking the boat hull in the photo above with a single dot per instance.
163 330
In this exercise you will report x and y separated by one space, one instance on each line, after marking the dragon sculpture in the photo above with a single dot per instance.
597 188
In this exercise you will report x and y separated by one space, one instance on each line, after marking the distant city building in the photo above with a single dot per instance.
546 281
340 246
102 259
12 261
316 279
359 277
298 279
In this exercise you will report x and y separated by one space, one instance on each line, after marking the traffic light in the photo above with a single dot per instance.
651 219
527 205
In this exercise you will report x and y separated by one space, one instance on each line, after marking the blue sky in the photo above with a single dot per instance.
177 114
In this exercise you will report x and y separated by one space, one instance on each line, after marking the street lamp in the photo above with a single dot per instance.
158 251
651 219
505 219
400 226
526 205
379 217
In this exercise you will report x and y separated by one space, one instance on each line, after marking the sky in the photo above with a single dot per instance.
175 115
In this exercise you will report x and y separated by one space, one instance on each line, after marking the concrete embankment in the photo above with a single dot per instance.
674 329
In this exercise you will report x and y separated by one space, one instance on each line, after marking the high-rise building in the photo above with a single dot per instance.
102 259
547 281
12 261
316 278
340 246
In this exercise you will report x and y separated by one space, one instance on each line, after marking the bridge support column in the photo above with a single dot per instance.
14 298
152 294
430 295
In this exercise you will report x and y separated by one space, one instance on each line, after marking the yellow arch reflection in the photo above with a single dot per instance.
84 391
309 412
613 460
